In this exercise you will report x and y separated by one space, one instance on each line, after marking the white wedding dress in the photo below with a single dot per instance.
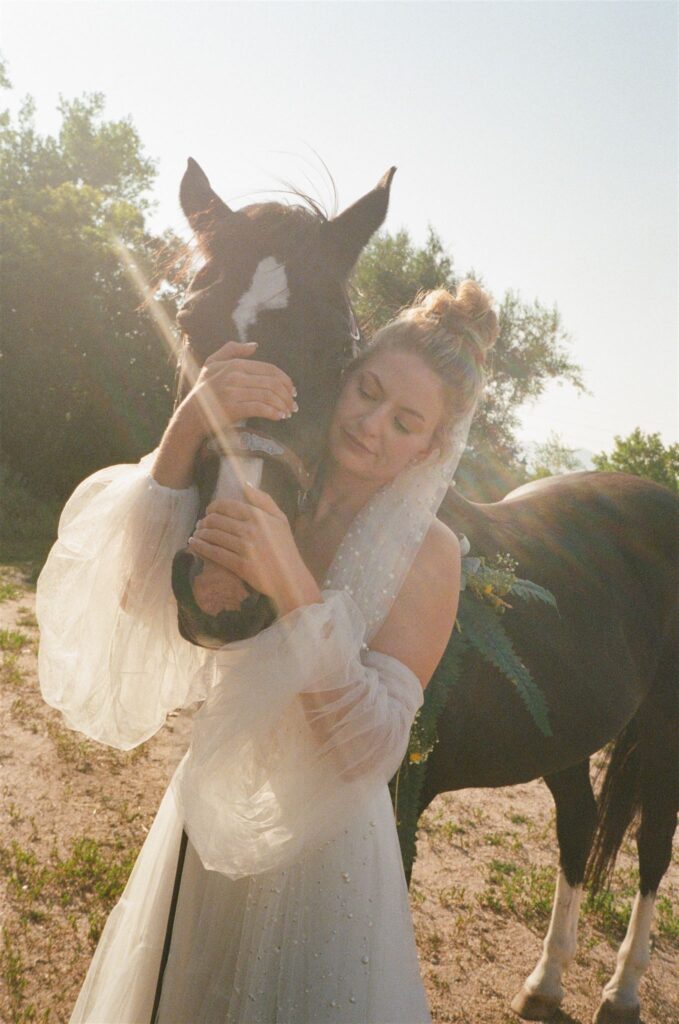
293 905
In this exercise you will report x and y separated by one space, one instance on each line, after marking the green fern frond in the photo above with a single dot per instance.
528 590
483 630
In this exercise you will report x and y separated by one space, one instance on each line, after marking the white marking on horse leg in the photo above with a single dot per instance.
560 943
634 956
268 290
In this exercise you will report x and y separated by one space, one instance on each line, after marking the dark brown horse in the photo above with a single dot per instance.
604 544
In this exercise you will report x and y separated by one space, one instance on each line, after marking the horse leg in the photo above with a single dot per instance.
659 759
542 992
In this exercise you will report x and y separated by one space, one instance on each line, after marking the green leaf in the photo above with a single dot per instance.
528 590
482 629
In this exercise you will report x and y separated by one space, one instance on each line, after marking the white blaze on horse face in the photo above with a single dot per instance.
634 955
560 943
268 290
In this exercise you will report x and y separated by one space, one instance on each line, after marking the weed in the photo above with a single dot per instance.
453 897
417 896
609 909
667 919
431 944
12 640
10 673
9 591
527 893
26 617
494 839
518 819
69 747
12 971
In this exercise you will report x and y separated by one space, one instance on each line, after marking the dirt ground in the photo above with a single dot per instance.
74 814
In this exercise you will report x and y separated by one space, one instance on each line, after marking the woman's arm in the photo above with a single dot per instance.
418 627
231 387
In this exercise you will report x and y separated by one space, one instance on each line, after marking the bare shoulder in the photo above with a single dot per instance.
421 620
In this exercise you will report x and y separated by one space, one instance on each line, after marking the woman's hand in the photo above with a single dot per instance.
232 386
253 539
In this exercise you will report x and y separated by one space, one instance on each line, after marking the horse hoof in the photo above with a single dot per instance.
533 1006
610 1013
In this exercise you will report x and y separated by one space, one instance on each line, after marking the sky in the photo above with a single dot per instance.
539 139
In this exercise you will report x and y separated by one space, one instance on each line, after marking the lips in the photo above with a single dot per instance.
353 441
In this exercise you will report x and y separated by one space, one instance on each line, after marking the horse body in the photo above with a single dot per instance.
601 544
604 544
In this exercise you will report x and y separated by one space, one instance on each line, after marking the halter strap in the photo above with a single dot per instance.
243 442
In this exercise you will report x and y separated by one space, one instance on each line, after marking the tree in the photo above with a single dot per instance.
643 455
552 458
531 350
86 382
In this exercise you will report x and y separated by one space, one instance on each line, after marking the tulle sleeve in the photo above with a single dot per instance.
302 724
111 657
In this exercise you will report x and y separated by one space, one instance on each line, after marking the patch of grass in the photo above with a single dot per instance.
27 618
89 880
9 589
11 640
453 897
431 944
23 713
667 919
69 746
609 910
526 893
518 819
13 971
10 672
494 839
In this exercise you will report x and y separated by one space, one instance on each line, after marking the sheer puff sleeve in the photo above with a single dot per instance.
301 724
111 658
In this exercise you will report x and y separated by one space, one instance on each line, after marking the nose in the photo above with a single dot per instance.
371 422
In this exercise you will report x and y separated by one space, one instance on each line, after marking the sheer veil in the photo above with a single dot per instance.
382 542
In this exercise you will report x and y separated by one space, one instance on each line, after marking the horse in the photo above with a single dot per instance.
605 544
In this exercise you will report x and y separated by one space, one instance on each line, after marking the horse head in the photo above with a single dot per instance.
275 274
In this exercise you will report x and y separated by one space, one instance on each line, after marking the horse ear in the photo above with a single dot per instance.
350 231
201 205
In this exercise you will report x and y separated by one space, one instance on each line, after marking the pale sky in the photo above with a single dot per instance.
539 139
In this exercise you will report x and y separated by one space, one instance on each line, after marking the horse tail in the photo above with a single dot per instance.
619 804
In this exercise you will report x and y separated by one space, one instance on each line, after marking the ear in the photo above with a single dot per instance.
202 206
349 232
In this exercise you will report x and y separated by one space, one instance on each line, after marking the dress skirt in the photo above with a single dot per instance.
329 938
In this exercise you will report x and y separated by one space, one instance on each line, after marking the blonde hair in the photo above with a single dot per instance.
452 334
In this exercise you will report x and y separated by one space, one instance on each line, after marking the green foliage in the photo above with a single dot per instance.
531 350
643 455
483 632
86 382
552 458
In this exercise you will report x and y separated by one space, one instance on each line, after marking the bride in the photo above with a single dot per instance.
292 906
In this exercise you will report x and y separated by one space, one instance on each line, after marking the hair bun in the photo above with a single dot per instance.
468 314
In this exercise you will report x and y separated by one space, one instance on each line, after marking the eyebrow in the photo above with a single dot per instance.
403 408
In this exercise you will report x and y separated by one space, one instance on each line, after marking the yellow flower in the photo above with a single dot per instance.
415 757
488 589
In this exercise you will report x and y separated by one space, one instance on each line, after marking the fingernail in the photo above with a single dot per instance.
252 344
295 407
294 392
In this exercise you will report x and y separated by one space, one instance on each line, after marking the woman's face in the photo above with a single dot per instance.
386 416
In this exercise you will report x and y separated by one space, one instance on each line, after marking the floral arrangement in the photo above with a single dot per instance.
485 588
